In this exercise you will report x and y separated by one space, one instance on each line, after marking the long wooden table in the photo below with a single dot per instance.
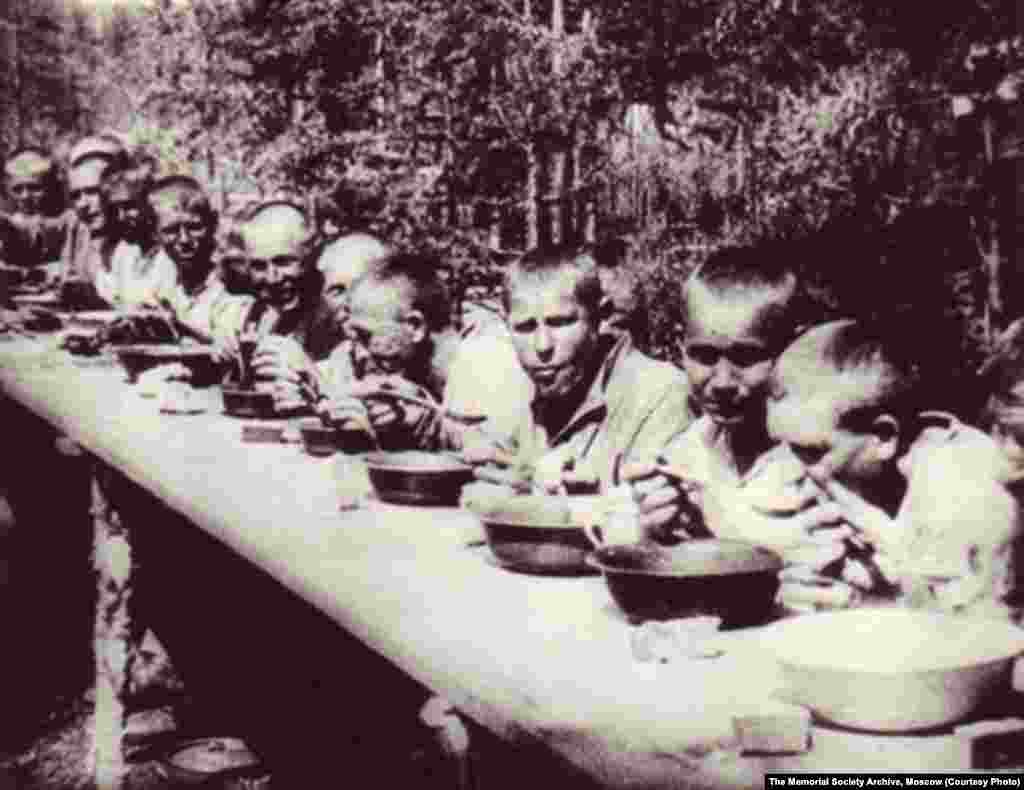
531 658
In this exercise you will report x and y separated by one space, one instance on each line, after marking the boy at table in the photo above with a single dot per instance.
922 502
596 398
743 306
188 281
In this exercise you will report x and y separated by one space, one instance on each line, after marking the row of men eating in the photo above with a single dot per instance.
829 442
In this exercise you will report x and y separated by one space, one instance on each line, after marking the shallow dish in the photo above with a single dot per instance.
201 761
546 549
48 299
91 319
414 477
250 404
322 440
894 670
729 579
138 358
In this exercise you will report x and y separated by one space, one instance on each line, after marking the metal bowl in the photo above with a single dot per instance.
729 579
251 404
202 761
894 670
322 440
558 549
413 477
138 358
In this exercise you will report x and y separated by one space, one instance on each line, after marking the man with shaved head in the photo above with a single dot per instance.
186 226
341 262
850 400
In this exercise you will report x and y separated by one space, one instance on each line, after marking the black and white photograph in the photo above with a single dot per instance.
494 394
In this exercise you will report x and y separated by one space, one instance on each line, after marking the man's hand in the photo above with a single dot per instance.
281 359
873 523
669 504
388 413
282 362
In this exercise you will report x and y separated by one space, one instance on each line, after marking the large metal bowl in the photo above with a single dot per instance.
248 403
550 549
208 762
894 670
136 359
729 579
413 477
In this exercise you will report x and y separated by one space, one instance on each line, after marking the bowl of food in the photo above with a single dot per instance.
413 477
894 669
91 319
323 440
533 533
733 580
138 358
200 762
248 403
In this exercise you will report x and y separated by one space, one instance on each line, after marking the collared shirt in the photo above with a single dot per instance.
486 380
136 277
633 407
209 309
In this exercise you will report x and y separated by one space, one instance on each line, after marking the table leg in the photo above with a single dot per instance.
112 639
453 738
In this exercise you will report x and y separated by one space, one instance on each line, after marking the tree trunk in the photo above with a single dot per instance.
992 254
532 196
555 199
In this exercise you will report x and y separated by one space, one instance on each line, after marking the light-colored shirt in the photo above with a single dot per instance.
634 406
958 519
208 309
960 515
135 278
487 380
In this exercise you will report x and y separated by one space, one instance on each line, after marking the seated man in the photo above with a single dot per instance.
499 396
596 399
402 343
90 241
742 307
137 272
280 245
921 516
32 183
341 263
186 227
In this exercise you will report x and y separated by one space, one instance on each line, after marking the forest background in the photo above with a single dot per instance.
882 140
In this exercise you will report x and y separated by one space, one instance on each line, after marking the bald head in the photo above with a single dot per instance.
105 145
279 241
845 398
869 365
344 261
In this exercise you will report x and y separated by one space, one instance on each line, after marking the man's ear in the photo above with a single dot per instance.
605 309
886 432
418 324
